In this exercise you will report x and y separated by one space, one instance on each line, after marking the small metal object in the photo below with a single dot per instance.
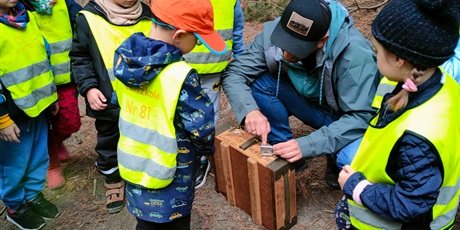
249 143
266 150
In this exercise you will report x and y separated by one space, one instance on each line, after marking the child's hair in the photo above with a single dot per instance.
400 100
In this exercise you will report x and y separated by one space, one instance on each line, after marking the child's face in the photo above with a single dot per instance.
389 64
124 3
5 5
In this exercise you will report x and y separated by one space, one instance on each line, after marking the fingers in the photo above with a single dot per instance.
288 150
256 123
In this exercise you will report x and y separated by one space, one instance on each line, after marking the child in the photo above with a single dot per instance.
56 22
406 171
229 22
165 121
27 89
99 30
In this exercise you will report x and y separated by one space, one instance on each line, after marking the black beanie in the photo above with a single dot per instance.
422 32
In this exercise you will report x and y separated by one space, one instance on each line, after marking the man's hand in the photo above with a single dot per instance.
346 172
257 124
288 150
96 99
10 133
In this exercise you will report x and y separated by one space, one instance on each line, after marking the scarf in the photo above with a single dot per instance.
18 17
43 6
119 15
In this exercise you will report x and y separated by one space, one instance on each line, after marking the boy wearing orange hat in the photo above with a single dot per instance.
165 121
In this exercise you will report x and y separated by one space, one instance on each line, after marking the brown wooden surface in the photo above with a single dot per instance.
263 187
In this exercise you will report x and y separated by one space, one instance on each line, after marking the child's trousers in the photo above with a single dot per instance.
23 165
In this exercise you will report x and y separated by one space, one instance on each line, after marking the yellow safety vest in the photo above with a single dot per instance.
444 109
147 148
201 58
385 86
108 37
25 68
57 30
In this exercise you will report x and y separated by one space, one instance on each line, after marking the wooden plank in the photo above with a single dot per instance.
218 166
228 174
254 189
292 197
280 202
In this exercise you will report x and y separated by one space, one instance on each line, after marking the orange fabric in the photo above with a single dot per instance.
192 16
5 121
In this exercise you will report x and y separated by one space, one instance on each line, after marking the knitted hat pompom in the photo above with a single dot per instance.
423 32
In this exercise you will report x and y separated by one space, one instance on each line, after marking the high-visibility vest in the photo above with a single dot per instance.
443 109
147 148
385 86
25 69
201 58
108 37
57 30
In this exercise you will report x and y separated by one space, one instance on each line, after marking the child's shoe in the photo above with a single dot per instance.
25 218
63 153
55 178
43 207
115 195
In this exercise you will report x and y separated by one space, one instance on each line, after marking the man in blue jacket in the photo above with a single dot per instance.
314 64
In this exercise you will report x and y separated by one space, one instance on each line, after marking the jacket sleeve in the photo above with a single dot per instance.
240 73
356 78
418 179
80 56
452 66
201 127
238 27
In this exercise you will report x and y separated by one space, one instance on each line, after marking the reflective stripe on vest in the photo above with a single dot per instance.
25 69
201 58
147 148
385 86
111 36
57 30
444 107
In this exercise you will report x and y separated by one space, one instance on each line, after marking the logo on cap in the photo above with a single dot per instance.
299 24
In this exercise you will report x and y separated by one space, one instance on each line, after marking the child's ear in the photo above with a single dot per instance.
178 35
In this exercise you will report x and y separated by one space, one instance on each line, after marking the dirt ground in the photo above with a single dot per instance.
82 199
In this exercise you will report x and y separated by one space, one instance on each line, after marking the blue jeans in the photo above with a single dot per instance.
23 165
289 102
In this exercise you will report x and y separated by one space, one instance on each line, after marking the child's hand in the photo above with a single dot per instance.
346 172
10 133
96 99
54 109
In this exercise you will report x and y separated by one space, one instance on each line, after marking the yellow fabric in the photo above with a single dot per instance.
24 50
150 110
443 110
223 21
5 121
109 38
57 30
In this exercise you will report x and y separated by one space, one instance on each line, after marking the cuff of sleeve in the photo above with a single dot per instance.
5 121
358 190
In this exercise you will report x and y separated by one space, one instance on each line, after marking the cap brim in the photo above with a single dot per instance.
292 45
213 42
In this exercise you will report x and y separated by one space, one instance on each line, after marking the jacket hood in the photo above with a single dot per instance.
139 59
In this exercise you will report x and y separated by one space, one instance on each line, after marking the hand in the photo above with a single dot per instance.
96 99
346 172
54 109
257 124
10 133
288 150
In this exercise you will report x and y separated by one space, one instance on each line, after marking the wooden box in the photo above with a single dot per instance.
264 187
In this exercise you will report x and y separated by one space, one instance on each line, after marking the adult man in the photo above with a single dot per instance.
311 63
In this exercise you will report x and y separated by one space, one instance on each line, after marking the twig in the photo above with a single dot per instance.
94 186
351 9
271 3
